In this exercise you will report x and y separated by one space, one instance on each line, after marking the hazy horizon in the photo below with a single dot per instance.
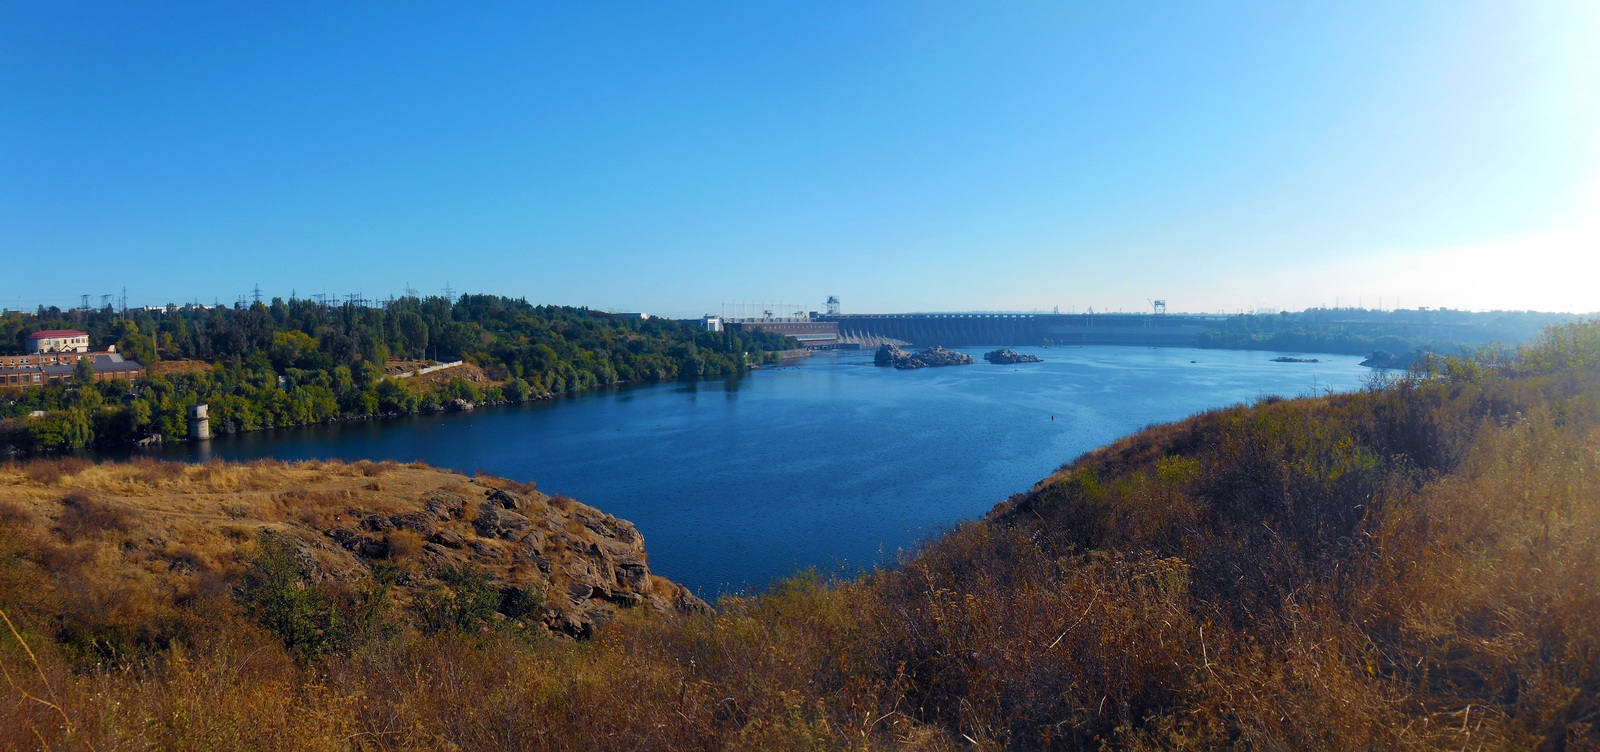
902 156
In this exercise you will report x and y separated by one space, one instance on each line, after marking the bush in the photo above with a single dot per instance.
462 600
312 619
84 516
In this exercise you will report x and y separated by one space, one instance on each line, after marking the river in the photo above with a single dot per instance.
832 463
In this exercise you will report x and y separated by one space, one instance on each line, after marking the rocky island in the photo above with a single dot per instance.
890 355
1288 359
1006 356
1388 360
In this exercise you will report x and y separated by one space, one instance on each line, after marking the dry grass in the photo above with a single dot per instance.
170 367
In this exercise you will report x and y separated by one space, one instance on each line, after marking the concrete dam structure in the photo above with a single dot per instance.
986 329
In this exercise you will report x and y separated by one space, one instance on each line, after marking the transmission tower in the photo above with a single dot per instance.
411 292
256 293
449 292
85 305
105 301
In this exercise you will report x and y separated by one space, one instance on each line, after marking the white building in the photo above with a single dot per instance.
57 341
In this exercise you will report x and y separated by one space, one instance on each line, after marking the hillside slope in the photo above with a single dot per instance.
1414 566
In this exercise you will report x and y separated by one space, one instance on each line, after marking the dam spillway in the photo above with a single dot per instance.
985 329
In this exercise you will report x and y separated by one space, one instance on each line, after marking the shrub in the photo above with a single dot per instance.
462 600
84 516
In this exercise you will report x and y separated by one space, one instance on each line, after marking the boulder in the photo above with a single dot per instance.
1007 356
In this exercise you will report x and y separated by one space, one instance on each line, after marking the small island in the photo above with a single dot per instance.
1387 360
1006 356
1287 359
890 355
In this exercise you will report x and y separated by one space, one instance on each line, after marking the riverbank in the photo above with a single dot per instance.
739 481
1412 571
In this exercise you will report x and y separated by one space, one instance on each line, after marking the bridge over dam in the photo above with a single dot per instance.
985 329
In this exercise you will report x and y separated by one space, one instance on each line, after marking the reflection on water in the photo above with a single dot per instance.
833 463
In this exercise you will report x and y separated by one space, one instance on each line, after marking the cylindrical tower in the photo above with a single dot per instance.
199 421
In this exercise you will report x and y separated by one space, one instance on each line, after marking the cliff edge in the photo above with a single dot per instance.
554 563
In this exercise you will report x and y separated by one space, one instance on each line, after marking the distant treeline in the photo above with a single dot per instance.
297 362
1357 331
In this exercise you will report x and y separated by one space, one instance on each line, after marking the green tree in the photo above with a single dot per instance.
414 331
83 373
135 345
62 429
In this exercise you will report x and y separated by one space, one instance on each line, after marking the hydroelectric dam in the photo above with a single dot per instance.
984 329
834 329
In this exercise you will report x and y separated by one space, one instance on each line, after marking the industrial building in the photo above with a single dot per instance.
53 356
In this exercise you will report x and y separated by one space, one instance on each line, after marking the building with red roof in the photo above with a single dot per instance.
57 341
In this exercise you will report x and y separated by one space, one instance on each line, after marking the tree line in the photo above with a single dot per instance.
298 362
1360 331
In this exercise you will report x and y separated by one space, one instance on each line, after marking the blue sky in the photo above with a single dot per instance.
903 156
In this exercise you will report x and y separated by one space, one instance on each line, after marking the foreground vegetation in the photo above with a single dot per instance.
301 362
1413 566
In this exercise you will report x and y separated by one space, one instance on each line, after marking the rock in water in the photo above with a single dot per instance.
1389 360
1007 356
889 355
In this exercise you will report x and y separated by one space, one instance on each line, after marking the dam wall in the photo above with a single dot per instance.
989 329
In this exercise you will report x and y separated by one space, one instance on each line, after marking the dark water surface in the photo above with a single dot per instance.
832 463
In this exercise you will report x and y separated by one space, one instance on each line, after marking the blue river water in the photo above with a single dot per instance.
832 463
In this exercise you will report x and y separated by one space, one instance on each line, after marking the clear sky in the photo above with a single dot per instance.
904 156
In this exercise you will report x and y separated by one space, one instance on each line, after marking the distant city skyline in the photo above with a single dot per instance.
903 156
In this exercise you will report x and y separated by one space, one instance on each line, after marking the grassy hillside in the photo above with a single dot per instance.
1409 567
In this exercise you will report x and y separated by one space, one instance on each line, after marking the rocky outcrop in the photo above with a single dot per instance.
556 564
579 564
1288 359
891 355
1007 356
